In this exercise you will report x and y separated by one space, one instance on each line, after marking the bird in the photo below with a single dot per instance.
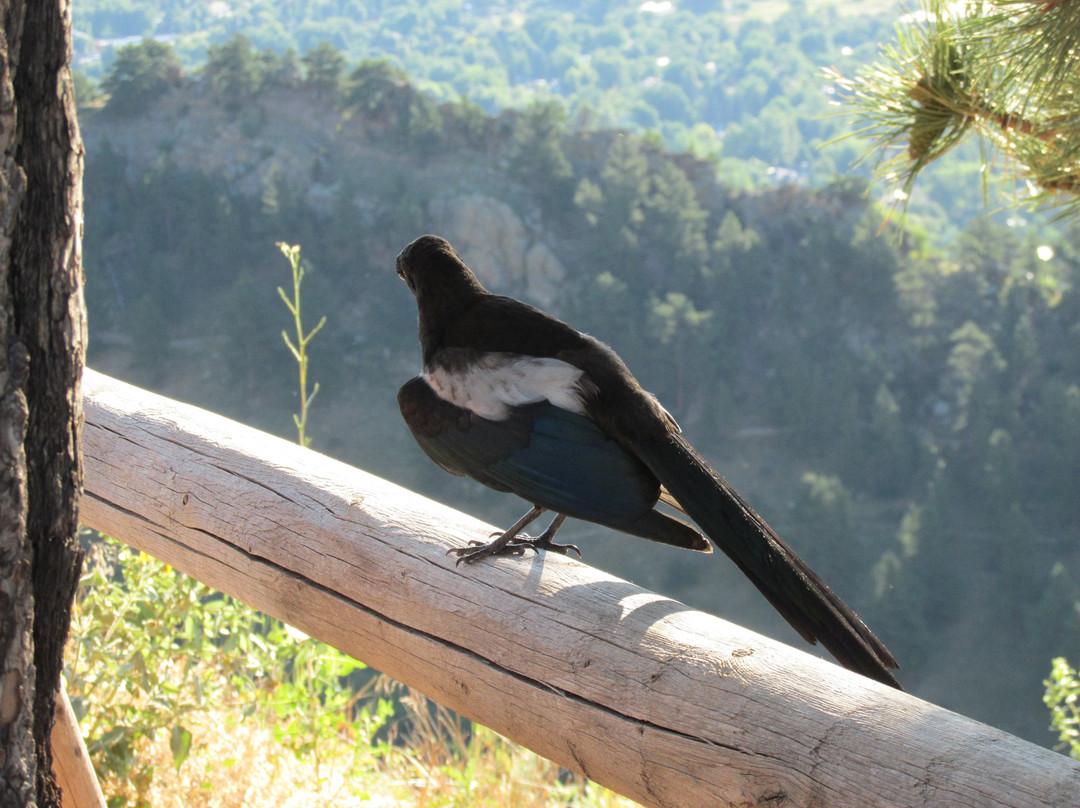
526 404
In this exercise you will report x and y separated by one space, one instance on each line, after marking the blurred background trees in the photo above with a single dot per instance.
901 401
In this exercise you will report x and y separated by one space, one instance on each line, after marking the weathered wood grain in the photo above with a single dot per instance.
71 762
664 704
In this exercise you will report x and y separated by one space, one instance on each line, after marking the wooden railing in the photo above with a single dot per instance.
664 704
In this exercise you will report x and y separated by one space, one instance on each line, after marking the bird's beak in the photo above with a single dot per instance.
398 265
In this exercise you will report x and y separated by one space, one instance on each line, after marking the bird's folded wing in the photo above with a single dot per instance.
547 455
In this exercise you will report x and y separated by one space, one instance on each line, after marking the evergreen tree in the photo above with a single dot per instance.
382 96
536 150
235 71
139 75
824 521
624 181
323 67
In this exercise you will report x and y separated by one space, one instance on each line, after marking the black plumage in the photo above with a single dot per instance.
524 403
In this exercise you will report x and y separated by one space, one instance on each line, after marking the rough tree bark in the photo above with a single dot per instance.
42 339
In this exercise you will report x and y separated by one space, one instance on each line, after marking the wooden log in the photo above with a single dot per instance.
664 704
71 764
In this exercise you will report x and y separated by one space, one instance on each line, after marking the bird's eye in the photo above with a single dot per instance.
405 276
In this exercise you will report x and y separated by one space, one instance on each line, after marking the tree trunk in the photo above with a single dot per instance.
42 341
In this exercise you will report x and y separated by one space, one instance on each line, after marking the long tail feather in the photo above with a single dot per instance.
789 584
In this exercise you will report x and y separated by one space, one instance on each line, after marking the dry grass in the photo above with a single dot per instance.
443 762
238 764
272 718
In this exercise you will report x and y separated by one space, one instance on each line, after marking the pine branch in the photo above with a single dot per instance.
1005 71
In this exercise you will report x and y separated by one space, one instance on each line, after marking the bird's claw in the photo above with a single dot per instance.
516 546
542 542
476 550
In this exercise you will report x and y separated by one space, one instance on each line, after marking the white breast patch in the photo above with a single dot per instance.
496 382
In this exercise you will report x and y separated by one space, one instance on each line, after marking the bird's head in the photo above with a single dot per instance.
444 287
429 265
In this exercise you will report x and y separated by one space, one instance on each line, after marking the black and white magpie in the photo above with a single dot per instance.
524 403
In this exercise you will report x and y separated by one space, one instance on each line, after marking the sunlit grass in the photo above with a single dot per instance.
444 761
191 698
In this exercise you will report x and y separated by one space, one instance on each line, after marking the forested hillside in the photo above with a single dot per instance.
909 419
738 82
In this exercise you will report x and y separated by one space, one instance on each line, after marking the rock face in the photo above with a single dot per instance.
492 239
291 137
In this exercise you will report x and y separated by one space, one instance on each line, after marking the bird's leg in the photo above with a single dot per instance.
544 540
500 545
513 542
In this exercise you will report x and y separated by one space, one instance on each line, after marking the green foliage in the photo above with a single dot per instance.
679 331
824 501
1063 698
671 316
317 707
972 357
152 651
149 328
732 242
386 101
324 66
750 76
122 18
235 71
993 68
675 221
374 86
87 91
887 440
780 328
614 203
824 515
530 52
464 120
536 149
649 224
139 75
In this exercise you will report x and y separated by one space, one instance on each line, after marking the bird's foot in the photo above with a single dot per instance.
476 550
544 542
515 546
514 543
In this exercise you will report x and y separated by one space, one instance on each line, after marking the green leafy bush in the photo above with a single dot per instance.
152 650
1063 699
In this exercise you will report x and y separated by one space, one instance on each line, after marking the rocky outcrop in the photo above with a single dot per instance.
494 241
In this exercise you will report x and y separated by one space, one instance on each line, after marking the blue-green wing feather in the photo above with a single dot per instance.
552 457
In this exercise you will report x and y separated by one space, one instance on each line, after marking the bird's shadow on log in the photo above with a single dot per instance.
617 605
